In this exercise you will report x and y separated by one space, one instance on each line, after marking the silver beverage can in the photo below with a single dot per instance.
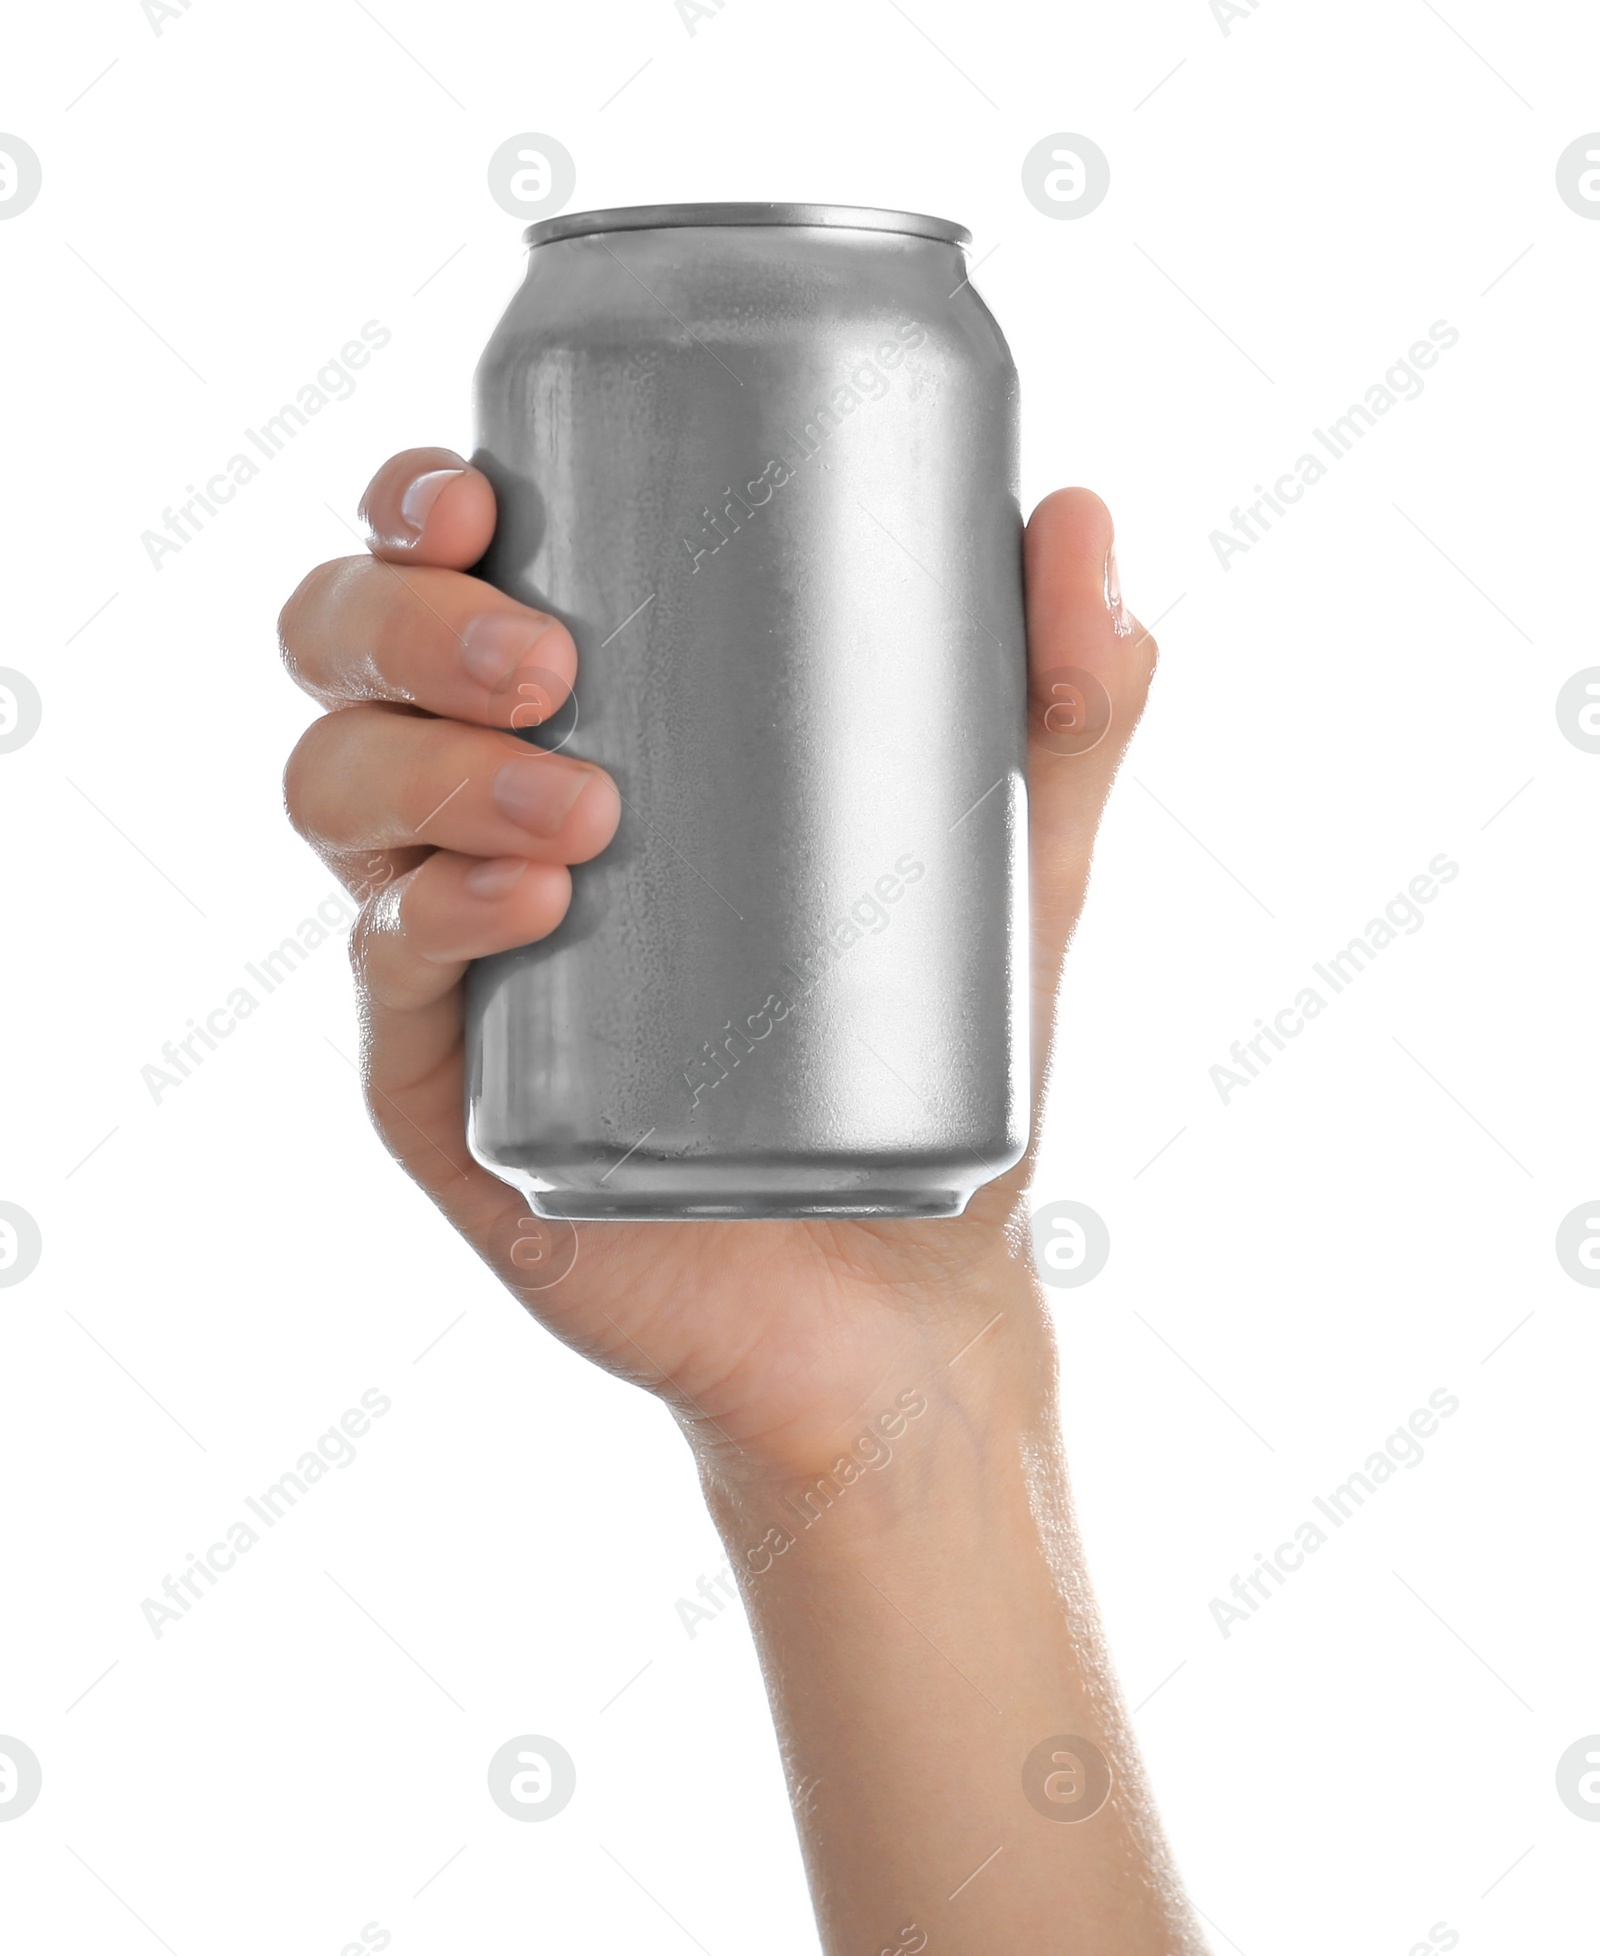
761 459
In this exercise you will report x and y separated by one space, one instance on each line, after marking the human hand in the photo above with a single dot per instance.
772 1341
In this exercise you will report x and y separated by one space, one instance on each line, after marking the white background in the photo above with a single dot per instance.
224 1273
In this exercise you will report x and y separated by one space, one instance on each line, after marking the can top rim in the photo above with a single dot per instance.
656 217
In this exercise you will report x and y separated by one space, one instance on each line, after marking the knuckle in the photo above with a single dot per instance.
303 617
299 609
305 778
384 965
368 879
359 945
373 939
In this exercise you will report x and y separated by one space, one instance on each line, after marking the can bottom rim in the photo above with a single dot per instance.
926 1204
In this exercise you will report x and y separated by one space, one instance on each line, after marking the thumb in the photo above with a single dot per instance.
1089 668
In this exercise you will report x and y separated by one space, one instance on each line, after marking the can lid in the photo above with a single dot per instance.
657 217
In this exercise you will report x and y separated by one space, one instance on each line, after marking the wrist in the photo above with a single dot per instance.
961 1431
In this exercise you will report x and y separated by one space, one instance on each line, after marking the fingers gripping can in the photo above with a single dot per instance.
761 459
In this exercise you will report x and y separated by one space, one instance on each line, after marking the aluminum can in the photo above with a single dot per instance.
761 459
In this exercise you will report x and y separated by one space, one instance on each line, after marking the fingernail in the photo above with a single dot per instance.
1121 622
539 794
421 495
496 878
496 642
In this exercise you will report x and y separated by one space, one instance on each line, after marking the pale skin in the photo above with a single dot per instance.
933 1626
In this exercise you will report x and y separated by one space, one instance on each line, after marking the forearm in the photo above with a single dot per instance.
925 1628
